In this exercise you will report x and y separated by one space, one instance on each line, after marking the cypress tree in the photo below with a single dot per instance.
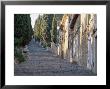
22 29
54 30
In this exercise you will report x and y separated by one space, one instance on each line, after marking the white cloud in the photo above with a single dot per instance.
33 19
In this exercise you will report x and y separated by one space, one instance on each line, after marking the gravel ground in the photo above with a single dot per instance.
41 62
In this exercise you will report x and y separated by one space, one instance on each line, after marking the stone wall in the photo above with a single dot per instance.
74 42
78 45
83 42
93 30
63 44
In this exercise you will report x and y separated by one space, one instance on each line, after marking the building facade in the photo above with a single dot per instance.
77 39
83 40
63 36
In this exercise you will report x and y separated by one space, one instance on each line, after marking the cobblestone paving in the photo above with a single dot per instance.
41 62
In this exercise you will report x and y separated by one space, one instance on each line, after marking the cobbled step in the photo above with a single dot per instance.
41 62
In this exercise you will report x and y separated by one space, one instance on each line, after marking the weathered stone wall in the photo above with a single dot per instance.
84 49
63 46
93 30
94 52
83 42
88 42
76 41
79 45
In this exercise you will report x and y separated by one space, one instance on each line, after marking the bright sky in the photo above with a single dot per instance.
33 19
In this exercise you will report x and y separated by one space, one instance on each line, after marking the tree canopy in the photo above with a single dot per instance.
45 29
22 29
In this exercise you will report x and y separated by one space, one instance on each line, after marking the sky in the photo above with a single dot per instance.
33 19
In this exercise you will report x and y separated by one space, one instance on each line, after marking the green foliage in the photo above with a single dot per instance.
45 28
22 34
54 30
18 54
49 27
22 29
39 28
42 29
18 42
58 16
